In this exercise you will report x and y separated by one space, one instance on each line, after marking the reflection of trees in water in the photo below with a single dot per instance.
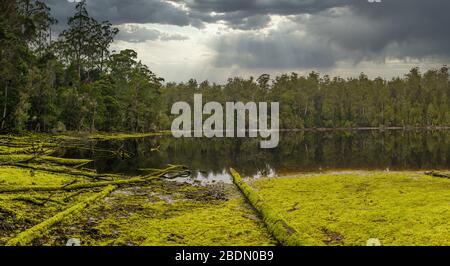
299 151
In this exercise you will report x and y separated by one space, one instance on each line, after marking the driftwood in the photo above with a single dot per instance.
277 226
436 174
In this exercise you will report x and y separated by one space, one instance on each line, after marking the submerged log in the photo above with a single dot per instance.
276 224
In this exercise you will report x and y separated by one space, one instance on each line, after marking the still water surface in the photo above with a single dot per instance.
209 159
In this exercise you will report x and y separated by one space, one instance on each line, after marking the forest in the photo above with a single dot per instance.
73 81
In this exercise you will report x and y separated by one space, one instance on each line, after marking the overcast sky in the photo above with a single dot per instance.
217 39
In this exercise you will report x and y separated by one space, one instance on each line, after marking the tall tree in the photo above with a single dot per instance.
85 43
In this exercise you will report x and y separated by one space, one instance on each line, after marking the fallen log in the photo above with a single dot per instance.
26 237
36 200
436 174
67 171
87 185
25 158
276 224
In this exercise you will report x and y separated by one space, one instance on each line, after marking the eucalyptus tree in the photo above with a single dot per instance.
37 21
85 43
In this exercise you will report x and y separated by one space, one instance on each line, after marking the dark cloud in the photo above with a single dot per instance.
401 29
398 28
244 22
280 49
254 14
264 7
252 23
122 11
319 34
241 14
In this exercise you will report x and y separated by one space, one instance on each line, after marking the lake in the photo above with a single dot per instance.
301 151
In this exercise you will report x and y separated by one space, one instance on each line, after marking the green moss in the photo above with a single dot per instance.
399 208
43 159
274 220
165 213
37 206
110 136
20 177
346 208
223 224
20 212
29 235
63 161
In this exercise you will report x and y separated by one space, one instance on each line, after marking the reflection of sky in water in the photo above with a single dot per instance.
207 178
270 173
224 177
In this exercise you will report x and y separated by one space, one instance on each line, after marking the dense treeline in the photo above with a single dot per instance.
313 101
75 82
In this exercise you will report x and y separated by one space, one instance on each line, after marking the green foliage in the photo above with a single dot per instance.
417 100
85 43
76 83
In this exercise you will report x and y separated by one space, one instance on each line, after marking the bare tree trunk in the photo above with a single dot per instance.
93 120
79 69
136 112
5 105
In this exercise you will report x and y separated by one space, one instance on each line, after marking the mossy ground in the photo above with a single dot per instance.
157 213
165 213
348 208
161 213
343 208
21 211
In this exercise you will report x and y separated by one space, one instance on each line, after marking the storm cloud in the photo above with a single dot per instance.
283 34
123 11
354 32
267 51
